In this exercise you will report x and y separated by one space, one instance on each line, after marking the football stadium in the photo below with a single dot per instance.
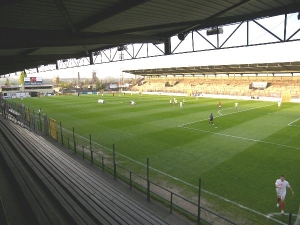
204 144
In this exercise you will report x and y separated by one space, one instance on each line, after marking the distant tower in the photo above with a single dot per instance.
94 76
121 82
78 83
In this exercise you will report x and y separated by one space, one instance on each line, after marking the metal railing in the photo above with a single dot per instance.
136 174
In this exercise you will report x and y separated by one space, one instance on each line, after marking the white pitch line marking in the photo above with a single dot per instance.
220 197
279 214
239 137
210 193
290 124
244 138
244 110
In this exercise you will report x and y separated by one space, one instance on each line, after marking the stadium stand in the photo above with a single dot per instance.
224 85
61 190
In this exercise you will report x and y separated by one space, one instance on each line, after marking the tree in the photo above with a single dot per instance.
86 81
63 84
7 82
100 86
55 80
22 75
74 82
98 83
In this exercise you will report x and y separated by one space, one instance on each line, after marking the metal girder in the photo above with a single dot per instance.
144 50
197 27
218 45
203 24
270 68
60 5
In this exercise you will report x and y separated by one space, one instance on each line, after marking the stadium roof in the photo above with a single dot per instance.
34 33
261 68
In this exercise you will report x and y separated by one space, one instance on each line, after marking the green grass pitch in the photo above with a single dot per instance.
238 158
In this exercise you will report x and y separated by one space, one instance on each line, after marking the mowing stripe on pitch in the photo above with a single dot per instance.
238 137
244 138
210 193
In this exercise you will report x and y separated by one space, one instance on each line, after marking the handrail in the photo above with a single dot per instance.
79 144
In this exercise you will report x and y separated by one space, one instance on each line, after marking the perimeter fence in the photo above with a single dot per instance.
173 193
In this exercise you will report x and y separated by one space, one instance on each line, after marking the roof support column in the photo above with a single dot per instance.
91 58
167 44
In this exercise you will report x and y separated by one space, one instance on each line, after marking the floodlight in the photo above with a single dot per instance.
181 36
214 30
121 48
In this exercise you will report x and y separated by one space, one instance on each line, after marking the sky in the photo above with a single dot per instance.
282 52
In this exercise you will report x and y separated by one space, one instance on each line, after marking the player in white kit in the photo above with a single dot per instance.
281 185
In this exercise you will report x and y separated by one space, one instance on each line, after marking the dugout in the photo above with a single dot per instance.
33 94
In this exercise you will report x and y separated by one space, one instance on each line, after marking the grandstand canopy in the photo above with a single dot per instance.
261 68
34 33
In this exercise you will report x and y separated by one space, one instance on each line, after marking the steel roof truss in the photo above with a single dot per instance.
232 34
206 39
60 5
267 30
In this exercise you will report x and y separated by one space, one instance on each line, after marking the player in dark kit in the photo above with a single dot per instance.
211 119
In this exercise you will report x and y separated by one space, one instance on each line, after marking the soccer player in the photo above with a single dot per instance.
175 101
236 105
180 104
132 102
279 103
281 185
220 105
211 119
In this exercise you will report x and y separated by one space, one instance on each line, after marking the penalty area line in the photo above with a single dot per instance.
220 115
